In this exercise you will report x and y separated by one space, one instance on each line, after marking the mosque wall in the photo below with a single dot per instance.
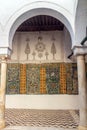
40 72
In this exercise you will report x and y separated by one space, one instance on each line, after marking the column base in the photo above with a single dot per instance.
82 128
2 124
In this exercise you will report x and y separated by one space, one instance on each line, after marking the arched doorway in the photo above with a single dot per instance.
19 19
41 11
45 31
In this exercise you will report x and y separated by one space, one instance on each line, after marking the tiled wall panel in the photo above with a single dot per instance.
54 78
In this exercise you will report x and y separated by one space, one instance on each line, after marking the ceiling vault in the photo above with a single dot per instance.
41 23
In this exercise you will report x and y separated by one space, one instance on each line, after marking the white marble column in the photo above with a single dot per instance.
2 92
82 92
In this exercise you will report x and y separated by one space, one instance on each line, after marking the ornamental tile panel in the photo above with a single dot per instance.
52 79
22 78
13 81
69 79
33 79
62 78
47 78
43 89
75 79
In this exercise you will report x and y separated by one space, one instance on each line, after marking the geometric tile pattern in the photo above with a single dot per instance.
42 118
22 78
69 79
43 80
72 78
48 78
75 79
62 78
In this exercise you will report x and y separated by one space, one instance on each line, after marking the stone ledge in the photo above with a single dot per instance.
82 128
34 128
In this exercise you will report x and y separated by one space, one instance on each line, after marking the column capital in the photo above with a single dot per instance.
3 58
80 50
81 57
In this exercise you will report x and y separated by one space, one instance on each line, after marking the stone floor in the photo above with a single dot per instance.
35 128
28 119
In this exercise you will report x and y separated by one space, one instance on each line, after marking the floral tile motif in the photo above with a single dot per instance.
52 80
33 80
13 83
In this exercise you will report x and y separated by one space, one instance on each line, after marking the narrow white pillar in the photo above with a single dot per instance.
2 92
82 92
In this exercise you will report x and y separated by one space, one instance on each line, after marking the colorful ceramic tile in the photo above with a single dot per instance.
13 82
22 78
62 78
75 79
69 80
43 80
33 80
52 80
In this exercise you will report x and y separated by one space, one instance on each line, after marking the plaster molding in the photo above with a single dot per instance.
79 50
5 51
41 4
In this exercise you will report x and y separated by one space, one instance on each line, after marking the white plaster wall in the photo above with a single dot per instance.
10 7
67 45
15 12
42 101
62 45
81 21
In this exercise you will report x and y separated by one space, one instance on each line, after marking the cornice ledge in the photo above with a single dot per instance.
79 50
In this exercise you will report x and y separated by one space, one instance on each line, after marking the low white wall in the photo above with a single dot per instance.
42 101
